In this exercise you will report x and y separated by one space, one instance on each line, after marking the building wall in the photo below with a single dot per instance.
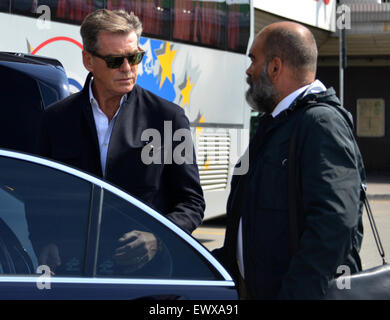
369 83
263 18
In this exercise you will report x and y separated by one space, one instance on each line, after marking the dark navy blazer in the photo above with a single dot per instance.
69 135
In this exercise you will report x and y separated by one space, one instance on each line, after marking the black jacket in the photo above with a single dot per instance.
330 170
173 189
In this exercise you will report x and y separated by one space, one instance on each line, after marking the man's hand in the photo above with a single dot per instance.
136 249
50 257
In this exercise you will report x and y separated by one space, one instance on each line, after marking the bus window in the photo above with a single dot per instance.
209 26
154 14
200 22
118 4
71 11
238 16
74 11
4 5
183 20
210 23
27 7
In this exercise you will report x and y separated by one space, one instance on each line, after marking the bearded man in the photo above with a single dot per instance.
283 87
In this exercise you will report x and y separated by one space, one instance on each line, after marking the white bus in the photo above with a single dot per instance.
195 57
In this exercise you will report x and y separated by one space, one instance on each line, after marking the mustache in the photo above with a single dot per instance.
126 76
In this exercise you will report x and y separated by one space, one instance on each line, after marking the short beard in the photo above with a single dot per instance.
261 95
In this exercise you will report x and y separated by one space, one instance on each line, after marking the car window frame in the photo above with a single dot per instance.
96 205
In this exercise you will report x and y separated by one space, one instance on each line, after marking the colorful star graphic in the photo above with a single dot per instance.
199 129
166 60
186 92
206 166
29 47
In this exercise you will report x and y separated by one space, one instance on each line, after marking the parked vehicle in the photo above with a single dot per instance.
28 85
43 202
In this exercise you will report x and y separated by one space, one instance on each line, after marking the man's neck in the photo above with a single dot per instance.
314 87
109 104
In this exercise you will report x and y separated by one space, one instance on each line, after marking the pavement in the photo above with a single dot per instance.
378 186
211 232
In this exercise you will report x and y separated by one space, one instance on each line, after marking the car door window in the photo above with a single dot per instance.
43 219
171 258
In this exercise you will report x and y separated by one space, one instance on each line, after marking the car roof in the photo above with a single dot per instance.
28 58
47 70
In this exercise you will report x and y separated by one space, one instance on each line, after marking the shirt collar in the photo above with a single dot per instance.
315 87
95 103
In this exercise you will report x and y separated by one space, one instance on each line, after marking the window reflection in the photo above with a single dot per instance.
43 219
171 258
73 11
237 27
213 23
154 14
76 10
210 23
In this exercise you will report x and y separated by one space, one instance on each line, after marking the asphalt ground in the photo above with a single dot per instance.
211 233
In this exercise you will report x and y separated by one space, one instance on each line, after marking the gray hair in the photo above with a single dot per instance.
114 21
298 50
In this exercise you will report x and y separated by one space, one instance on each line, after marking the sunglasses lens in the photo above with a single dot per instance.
136 58
114 62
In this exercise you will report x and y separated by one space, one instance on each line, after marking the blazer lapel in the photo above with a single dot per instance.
126 134
129 124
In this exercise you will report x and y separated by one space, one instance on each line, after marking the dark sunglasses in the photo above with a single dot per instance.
114 62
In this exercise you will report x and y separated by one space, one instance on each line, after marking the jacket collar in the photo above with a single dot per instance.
303 100
328 97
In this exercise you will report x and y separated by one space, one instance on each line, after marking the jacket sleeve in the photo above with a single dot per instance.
43 139
182 175
330 190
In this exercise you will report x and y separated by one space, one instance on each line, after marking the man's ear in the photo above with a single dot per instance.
275 67
88 60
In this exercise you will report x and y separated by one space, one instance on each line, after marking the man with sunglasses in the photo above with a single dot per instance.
100 130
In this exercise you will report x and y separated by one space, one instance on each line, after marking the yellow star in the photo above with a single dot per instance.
166 60
186 92
207 165
199 129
